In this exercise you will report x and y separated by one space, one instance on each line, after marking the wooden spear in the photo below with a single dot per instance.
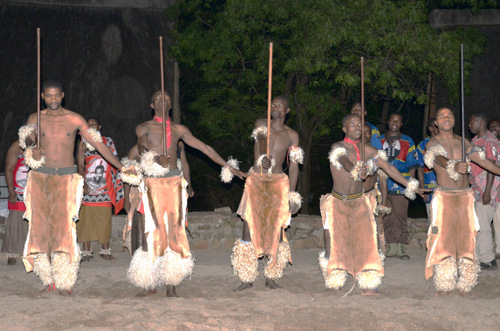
269 93
462 97
362 111
164 149
38 74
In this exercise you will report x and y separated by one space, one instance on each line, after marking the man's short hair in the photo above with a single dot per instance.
395 113
355 105
347 118
95 119
159 91
482 116
51 83
285 99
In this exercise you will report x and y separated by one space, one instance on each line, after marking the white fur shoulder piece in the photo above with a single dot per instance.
431 153
261 130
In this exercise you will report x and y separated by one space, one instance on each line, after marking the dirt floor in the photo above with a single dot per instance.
102 299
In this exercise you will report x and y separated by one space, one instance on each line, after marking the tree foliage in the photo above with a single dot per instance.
317 50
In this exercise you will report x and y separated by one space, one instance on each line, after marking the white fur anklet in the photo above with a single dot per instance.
226 175
336 279
467 275
369 280
64 271
244 261
142 272
41 268
174 269
445 275
282 258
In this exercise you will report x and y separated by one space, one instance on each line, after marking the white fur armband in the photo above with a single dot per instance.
261 130
334 156
371 166
295 199
382 173
96 137
24 132
413 184
226 175
150 167
258 163
479 150
296 154
431 153
134 180
450 169
30 161
356 172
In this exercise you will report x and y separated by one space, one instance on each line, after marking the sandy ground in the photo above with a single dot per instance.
103 300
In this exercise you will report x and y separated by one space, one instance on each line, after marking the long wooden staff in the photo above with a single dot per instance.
269 93
164 149
38 73
462 97
362 111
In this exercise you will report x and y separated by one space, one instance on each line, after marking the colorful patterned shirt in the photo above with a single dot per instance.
429 175
375 141
478 175
403 155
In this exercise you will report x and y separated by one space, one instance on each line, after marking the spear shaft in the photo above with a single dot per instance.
164 147
362 111
462 98
38 74
269 93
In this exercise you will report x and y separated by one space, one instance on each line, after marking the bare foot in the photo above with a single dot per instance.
46 289
464 294
145 293
271 284
369 292
171 292
11 261
108 257
65 293
442 293
243 286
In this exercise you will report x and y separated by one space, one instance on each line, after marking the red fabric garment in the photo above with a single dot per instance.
167 128
20 178
349 141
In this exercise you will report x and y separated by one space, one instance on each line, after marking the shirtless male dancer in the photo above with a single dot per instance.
269 200
348 222
451 239
166 259
54 190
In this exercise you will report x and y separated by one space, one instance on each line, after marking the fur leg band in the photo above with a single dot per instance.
134 180
295 200
336 279
445 275
142 272
296 154
96 137
87 253
65 271
369 280
30 161
282 258
174 269
244 261
334 156
226 175
382 209
261 130
42 269
24 132
432 153
467 275
413 184
150 167
105 251
450 169
382 173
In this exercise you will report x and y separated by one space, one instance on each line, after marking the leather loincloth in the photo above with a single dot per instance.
264 206
353 234
453 227
373 197
52 204
165 212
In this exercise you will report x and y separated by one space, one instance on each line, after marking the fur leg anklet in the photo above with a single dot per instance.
467 275
174 269
142 272
445 275
369 280
42 269
274 270
244 261
65 271
336 279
